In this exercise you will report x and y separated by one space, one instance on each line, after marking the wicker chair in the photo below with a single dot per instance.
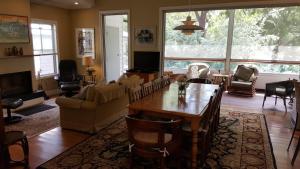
243 81
281 89
198 70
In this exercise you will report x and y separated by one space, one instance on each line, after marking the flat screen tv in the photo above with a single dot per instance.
146 61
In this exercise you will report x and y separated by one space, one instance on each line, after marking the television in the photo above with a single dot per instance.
146 61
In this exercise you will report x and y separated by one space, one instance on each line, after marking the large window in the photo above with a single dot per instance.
268 38
44 48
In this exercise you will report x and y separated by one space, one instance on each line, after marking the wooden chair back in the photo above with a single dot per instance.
1 137
160 128
297 104
157 84
147 89
165 81
135 94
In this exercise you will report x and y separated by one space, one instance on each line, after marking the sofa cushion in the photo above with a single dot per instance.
106 93
82 93
241 84
244 73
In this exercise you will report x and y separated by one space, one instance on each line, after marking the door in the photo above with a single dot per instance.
116 47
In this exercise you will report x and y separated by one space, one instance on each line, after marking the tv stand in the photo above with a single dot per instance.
147 76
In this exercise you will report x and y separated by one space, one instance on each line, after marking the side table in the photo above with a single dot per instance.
219 78
88 79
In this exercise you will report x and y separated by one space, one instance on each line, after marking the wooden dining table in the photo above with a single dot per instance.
167 103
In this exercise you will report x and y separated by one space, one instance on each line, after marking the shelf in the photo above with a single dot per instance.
25 56
13 57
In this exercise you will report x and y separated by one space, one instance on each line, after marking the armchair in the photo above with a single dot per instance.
68 78
243 81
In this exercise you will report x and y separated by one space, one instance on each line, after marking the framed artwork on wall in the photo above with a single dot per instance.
14 29
85 42
145 36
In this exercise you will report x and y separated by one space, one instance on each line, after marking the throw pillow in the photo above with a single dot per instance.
82 93
243 73
203 73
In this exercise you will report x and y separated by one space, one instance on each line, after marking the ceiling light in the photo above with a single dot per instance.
76 3
188 26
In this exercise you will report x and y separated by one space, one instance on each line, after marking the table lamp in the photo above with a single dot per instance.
88 61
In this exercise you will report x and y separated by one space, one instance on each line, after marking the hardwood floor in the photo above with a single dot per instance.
54 142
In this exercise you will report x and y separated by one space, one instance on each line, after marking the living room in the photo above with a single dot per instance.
227 34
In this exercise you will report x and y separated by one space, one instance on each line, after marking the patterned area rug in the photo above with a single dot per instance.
242 141
37 123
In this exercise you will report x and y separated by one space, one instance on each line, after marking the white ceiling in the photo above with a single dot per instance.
67 4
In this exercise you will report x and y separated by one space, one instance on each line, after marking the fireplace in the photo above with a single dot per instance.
15 84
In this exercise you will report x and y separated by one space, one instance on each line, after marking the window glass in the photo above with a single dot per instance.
210 43
44 44
267 34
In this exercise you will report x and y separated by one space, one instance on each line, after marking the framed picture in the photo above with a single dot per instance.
14 29
145 36
85 42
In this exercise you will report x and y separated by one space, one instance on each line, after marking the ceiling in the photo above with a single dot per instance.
67 4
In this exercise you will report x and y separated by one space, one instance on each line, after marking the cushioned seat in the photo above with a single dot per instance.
241 84
150 137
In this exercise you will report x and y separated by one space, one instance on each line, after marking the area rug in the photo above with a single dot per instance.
34 109
242 141
38 123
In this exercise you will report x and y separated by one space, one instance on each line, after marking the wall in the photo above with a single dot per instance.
64 36
142 13
25 8
22 8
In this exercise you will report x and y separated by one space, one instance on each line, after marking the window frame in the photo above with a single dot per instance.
56 55
232 8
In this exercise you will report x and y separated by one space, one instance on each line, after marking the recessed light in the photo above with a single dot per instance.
76 3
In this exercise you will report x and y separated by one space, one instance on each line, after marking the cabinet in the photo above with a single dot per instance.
146 76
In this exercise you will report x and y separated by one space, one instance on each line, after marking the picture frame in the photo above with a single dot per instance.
14 29
145 36
85 42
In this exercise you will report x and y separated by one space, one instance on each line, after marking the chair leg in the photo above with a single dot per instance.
275 100
162 163
264 101
26 152
291 139
296 152
284 102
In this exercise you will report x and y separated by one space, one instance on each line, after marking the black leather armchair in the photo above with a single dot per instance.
282 89
68 78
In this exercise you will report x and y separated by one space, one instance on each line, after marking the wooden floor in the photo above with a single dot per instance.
54 142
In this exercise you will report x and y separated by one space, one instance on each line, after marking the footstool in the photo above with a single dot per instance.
11 103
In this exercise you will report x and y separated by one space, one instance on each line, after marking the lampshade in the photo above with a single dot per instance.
87 60
188 26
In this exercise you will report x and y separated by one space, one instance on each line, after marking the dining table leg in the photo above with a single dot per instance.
194 127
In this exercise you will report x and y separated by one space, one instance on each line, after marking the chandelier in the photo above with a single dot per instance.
188 27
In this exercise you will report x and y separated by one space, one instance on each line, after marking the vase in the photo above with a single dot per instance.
182 88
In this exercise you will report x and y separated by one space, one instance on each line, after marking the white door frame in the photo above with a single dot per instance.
102 36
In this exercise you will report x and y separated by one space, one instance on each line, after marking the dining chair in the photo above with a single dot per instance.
296 107
154 139
135 94
165 81
157 84
204 132
218 105
147 89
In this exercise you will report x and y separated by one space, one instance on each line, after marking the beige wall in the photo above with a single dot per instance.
142 13
22 8
63 19
25 8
